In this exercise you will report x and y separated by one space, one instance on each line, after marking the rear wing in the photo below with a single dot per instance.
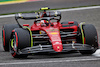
36 15
51 14
27 16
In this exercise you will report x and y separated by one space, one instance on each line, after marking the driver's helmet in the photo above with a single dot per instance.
44 23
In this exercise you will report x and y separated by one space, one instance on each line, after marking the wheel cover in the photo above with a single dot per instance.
14 42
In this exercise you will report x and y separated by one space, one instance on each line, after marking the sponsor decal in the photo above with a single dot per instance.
56 43
54 33
51 30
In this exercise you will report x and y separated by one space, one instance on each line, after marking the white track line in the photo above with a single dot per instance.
42 62
4 16
83 8
73 9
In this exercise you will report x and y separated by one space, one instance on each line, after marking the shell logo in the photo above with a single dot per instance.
54 33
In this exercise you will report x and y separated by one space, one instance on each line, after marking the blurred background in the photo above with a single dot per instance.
11 6
2 2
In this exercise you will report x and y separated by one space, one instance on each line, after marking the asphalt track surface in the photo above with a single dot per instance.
30 6
90 16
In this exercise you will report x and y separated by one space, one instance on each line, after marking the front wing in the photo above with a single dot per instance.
49 49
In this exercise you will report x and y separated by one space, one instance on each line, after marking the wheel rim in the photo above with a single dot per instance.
15 47
14 43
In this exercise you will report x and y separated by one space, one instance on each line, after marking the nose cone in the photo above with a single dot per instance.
58 48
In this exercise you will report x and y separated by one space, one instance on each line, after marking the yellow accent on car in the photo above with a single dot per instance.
12 43
82 32
44 8
54 33
58 47
36 16
40 32
30 35
21 15
55 13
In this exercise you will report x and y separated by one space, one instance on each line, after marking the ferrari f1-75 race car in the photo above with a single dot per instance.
48 34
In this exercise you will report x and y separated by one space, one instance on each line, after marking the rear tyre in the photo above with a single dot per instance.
20 39
91 38
6 33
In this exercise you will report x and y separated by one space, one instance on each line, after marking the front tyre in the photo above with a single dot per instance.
90 38
20 39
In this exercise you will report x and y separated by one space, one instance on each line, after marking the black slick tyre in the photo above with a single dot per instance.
6 33
91 38
20 39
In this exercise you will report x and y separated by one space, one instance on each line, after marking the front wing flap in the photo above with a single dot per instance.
49 49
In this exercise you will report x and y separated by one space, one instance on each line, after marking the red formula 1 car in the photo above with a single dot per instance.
45 35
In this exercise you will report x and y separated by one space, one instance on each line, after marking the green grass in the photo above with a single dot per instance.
47 10
8 0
